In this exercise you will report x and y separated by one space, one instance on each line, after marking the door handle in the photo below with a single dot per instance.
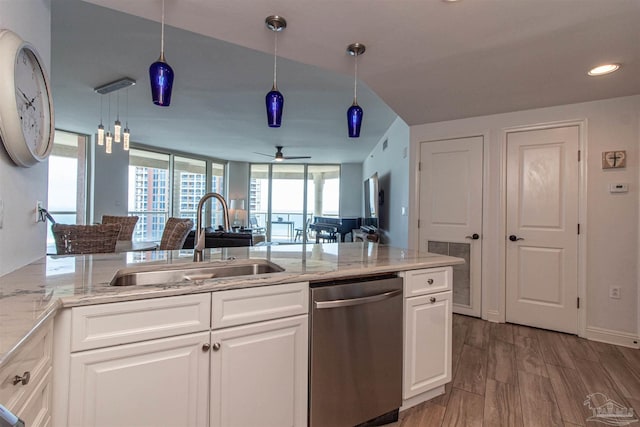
474 236
515 238
356 301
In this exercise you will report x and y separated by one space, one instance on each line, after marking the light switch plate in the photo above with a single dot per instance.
619 188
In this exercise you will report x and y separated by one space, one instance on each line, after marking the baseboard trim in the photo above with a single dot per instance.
609 336
416 400
494 316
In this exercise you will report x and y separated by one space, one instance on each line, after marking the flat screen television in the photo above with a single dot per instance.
371 196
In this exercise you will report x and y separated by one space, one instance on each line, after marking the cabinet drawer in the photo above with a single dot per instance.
35 358
242 306
132 321
420 282
36 411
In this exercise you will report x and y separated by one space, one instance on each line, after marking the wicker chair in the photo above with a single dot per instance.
85 239
127 224
175 233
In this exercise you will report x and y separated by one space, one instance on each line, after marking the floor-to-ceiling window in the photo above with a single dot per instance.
67 179
259 196
287 201
165 184
217 186
189 185
283 198
149 192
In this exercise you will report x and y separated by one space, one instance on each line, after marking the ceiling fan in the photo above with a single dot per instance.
279 156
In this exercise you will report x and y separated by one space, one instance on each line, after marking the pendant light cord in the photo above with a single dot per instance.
355 82
109 115
118 106
162 33
126 112
275 62
100 108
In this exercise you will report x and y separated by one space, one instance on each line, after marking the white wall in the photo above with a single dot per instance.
21 239
351 190
110 179
392 166
612 224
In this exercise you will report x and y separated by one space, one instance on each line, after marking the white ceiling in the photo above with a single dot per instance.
428 60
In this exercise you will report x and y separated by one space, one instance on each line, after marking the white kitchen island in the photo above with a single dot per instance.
195 346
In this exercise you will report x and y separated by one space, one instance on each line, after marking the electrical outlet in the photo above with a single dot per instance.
39 205
614 292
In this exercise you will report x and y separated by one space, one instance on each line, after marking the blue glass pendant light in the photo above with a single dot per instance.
355 113
274 101
161 75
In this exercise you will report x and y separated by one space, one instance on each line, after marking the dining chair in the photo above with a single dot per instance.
300 231
127 225
253 224
85 239
175 233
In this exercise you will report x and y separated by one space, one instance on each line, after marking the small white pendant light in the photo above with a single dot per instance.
117 126
127 133
100 126
108 138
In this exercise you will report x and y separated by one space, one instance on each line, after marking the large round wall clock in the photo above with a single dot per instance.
26 107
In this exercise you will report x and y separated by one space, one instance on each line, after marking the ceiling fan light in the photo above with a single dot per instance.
275 104
161 77
354 120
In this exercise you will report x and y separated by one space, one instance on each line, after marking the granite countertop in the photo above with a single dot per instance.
32 294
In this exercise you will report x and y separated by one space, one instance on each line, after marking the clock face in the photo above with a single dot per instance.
32 102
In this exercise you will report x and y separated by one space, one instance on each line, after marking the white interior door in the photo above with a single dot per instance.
451 212
542 223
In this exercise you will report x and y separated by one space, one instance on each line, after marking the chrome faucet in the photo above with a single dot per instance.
198 253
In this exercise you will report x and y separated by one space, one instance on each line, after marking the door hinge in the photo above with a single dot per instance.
578 302
578 155
578 228
419 166
418 223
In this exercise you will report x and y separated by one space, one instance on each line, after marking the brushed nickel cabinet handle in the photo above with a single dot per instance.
430 281
206 347
24 379
216 346
432 300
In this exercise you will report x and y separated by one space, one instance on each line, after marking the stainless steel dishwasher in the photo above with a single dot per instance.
355 369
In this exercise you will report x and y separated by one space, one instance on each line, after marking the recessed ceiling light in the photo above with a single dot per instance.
603 69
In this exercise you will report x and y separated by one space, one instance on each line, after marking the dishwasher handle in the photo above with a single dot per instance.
356 301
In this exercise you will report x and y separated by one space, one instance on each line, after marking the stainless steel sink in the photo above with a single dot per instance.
191 272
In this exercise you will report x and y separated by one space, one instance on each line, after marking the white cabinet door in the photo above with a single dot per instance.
162 382
427 336
259 374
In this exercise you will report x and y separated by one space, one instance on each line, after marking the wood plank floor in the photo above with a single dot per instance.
516 376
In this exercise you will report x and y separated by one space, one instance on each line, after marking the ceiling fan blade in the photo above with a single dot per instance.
296 157
262 154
